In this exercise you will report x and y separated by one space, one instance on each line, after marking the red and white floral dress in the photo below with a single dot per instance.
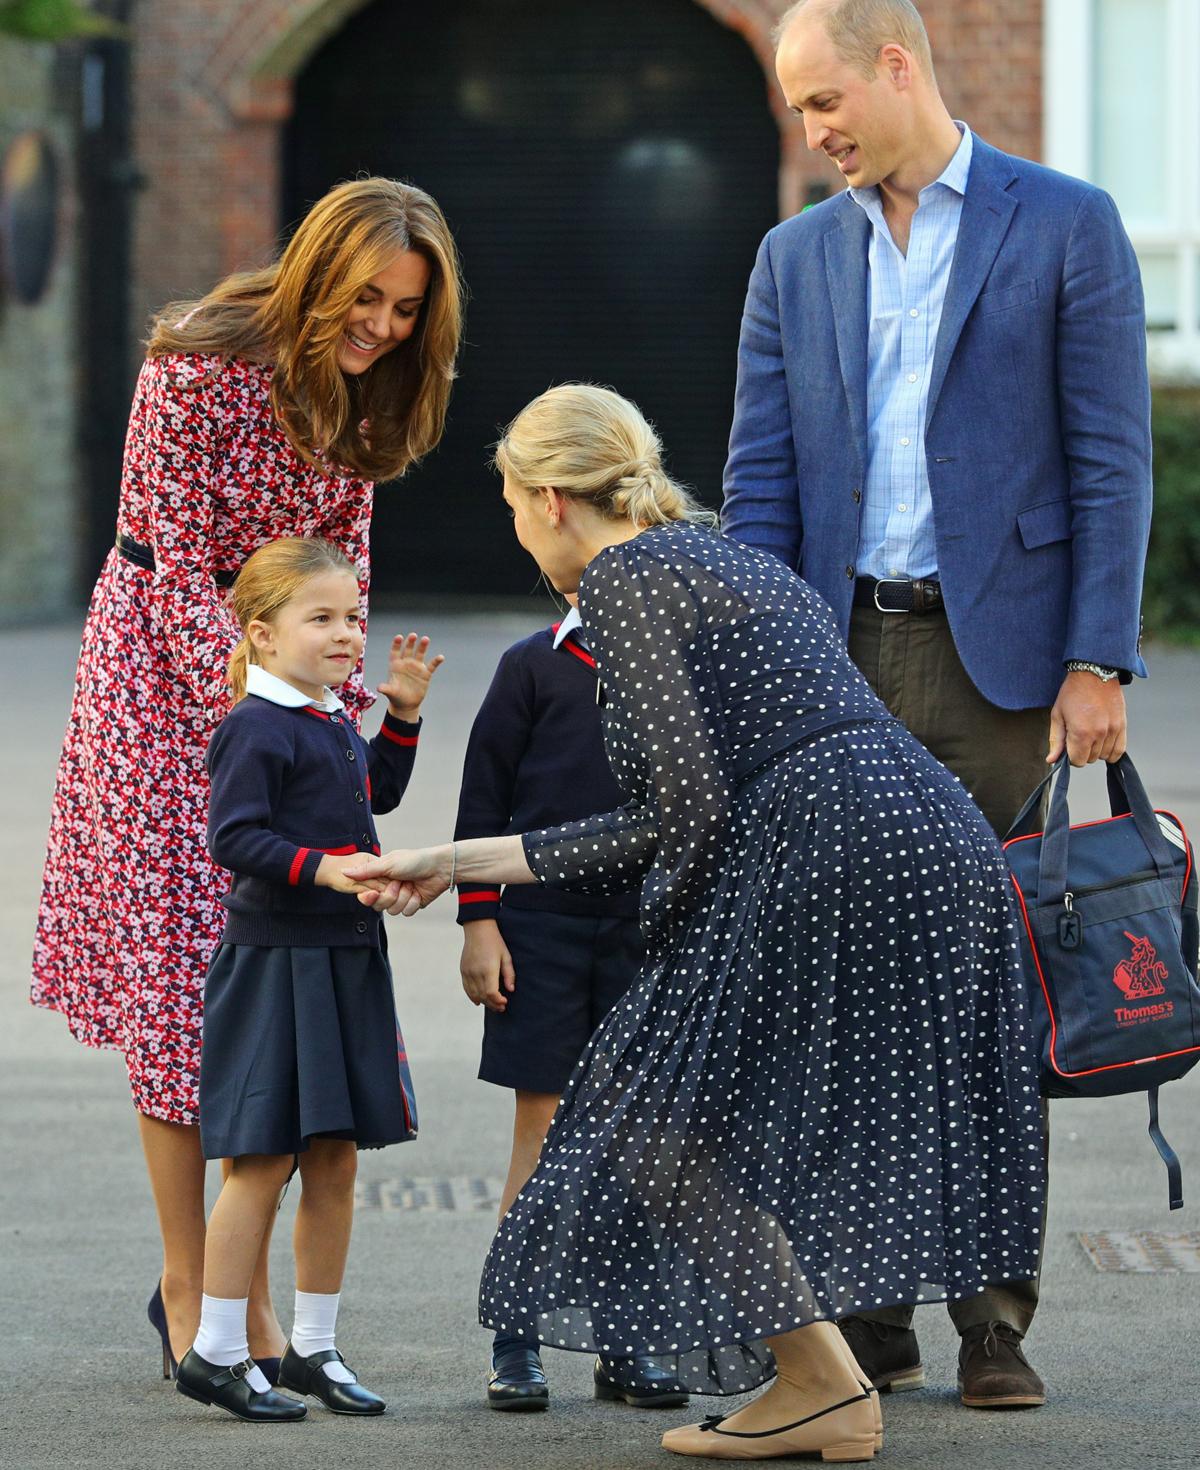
130 908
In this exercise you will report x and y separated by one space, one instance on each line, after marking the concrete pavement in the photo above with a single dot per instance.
78 1246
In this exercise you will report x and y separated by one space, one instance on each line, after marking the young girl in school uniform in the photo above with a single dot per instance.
302 1056
547 965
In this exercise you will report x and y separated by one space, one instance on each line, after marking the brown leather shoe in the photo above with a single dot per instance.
993 1372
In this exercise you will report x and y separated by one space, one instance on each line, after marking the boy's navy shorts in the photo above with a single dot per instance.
571 970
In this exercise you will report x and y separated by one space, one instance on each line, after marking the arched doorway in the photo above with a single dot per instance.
608 170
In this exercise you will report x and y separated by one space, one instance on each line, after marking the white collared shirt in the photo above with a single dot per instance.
572 623
269 686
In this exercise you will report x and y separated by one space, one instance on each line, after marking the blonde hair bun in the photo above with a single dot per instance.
592 445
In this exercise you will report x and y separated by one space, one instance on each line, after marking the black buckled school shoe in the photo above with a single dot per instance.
209 1383
307 1375
517 1381
639 1381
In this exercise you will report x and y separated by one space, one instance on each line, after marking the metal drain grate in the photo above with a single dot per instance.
459 1195
1143 1250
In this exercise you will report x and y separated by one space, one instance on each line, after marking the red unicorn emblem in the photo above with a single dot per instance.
1143 973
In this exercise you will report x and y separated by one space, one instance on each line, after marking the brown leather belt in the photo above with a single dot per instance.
143 556
899 595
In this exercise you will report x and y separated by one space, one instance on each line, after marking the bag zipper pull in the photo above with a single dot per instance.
1070 923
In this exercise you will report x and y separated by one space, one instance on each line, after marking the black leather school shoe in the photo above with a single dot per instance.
208 1383
517 1381
158 1320
306 1375
639 1381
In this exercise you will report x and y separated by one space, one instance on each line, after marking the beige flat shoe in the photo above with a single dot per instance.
843 1432
877 1411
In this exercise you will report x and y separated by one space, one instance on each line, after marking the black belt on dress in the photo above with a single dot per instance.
143 556
899 595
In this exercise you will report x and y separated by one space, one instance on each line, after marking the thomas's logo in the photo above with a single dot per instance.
1143 973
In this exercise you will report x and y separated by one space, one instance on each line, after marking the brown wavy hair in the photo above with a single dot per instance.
268 581
291 314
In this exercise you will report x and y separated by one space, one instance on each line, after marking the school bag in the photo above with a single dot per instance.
1109 938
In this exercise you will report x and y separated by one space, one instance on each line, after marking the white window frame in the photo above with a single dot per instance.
1067 145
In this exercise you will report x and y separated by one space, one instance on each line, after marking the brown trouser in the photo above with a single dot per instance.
999 755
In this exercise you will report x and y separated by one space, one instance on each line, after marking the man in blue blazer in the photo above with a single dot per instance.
942 422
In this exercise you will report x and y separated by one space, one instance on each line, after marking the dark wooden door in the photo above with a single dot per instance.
608 169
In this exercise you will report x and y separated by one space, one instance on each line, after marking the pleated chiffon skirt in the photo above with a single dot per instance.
301 1043
822 1101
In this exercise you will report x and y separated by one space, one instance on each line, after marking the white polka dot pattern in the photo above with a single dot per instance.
819 1098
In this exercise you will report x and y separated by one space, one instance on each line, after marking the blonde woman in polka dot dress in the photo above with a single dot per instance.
818 1100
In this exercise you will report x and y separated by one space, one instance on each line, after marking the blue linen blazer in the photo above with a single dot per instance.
1037 435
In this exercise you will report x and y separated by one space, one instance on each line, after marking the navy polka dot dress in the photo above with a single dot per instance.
819 1098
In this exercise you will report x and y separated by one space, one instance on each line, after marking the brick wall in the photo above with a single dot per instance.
212 88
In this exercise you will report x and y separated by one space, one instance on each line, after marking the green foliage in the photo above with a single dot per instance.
53 20
1171 601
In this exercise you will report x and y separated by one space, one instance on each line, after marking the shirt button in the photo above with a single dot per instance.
914 312
906 442
349 755
857 495
902 507
361 927
358 796
850 573
912 377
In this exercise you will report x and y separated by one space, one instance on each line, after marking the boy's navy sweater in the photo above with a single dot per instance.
536 759
288 786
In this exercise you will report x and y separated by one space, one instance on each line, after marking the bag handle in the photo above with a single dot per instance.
1167 1154
1126 795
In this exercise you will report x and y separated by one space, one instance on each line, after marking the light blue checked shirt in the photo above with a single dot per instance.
905 296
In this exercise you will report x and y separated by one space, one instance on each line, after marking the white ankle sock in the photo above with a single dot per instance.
314 1330
222 1336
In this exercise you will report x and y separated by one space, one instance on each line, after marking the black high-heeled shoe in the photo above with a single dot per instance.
157 1313
209 1383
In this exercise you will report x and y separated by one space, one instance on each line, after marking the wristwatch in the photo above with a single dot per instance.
1101 671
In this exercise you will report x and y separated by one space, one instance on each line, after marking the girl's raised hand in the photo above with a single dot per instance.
408 675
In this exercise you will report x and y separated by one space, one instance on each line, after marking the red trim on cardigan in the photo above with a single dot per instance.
580 653
489 895
398 739
297 864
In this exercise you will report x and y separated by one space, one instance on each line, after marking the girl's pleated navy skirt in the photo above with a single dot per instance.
301 1043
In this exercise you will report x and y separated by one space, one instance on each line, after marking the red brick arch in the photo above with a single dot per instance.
213 88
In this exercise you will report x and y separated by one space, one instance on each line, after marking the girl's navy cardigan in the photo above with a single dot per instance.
288 786
536 759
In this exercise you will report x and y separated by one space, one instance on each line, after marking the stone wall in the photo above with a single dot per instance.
40 500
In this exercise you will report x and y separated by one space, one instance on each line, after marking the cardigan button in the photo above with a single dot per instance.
367 839
349 755
358 796
335 719
361 926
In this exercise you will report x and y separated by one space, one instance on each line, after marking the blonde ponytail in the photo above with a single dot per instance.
592 445
239 661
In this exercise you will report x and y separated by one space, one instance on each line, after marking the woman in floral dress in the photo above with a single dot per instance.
267 409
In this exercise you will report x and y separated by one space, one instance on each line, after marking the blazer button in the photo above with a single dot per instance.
361 926
349 755
857 495
850 573
358 796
